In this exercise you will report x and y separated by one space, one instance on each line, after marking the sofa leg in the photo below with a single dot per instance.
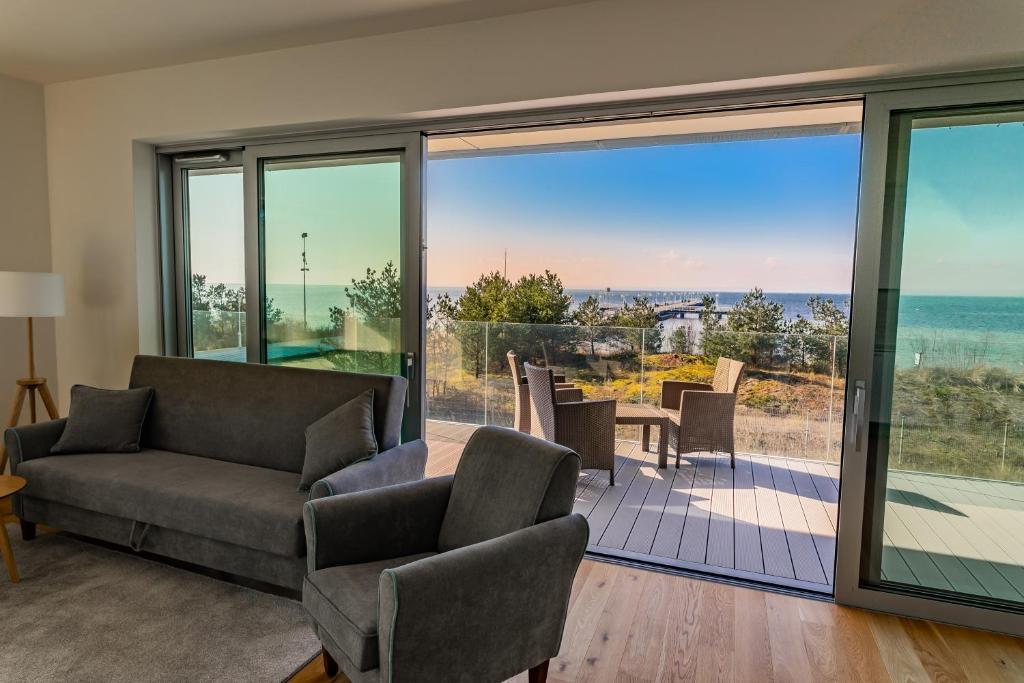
330 666
28 530
611 476
539 673
732 460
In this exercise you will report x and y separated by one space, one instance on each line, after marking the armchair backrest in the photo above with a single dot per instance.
728 373
507 481
542 397
513 362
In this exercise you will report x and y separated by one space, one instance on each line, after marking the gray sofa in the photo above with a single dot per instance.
463 578
216 482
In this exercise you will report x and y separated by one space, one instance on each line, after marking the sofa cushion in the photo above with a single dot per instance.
343 601
104 420
340 438
249 506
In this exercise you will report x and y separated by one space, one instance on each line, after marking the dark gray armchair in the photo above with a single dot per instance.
458 578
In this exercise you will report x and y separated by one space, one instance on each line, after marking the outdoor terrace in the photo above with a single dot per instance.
773 519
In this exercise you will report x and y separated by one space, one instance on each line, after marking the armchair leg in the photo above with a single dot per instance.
28 530
732 459
330 666
611 476
539 673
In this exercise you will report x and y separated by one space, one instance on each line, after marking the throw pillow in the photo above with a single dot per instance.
340 438
104 420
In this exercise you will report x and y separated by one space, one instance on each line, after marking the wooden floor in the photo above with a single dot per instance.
771 519
627 624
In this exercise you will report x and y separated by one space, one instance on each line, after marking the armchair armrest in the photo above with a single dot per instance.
29 442
587 427
671 391
568 394
373 525
396 465
488 611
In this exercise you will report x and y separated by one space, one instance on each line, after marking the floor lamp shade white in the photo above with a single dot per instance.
30 295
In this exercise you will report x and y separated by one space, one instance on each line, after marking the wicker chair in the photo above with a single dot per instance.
563 417
522 393
703 414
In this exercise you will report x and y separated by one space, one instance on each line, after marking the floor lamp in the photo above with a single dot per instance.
30 295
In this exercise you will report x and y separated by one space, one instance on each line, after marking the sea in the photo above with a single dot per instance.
947 330
320 298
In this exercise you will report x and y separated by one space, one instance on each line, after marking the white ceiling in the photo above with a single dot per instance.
59 40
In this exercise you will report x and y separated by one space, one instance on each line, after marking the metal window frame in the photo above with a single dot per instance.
410 147
862 480
176 259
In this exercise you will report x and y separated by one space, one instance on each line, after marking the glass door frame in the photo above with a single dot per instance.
862 495
182 263
411 148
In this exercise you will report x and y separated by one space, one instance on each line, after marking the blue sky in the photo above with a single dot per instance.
964 229
779 214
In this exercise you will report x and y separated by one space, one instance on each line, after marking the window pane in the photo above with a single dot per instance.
216 267
332 235
953 408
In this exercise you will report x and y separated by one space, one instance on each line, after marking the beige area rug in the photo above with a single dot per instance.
87 613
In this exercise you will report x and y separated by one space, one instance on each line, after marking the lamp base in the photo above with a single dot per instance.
27 389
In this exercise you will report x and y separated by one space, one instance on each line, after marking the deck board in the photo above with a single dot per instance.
670 527
806 564
747 528
693 545
721 550
774 547
632 502
775 518
641 537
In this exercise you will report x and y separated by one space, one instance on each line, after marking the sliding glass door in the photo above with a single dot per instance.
306 254
933 499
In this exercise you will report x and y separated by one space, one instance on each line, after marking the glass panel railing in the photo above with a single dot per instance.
790 401
218 335
956 406
348 343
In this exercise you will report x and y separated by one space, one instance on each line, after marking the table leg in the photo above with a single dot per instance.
662 446
645 430
5 549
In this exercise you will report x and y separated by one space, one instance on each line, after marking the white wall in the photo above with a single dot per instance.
101 222
24 227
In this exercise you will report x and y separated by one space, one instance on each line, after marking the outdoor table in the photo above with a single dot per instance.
646 416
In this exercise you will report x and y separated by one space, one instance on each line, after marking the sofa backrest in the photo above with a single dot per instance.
254 414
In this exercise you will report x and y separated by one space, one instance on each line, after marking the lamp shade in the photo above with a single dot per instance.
31 295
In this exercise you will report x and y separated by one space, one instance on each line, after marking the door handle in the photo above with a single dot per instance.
859 393
409 358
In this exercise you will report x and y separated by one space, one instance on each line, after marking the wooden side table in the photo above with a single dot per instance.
647 417
9 485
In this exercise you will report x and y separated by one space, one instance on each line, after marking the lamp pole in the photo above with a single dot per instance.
305 269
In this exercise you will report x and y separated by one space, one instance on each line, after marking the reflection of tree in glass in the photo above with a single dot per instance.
218 314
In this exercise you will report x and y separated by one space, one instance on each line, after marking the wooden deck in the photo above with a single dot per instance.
771 520
774 519
954 533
